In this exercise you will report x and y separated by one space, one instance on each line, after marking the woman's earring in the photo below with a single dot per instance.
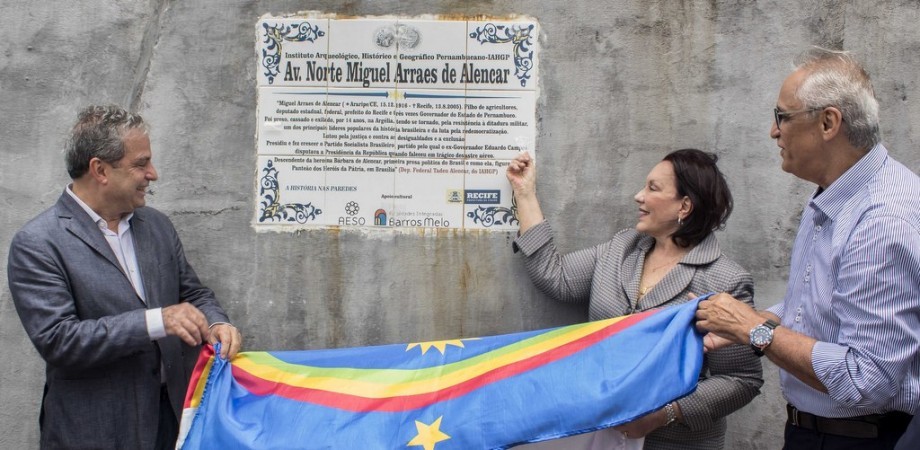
680 221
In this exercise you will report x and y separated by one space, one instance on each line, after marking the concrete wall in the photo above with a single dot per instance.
623 83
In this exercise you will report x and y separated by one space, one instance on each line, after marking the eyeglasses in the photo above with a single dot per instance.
780 116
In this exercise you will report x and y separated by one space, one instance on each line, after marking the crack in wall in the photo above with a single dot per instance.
148 44
205 212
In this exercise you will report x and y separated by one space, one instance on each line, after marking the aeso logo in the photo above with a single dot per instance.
482 196
351 208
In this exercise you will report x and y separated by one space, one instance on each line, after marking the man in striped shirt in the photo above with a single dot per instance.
847 335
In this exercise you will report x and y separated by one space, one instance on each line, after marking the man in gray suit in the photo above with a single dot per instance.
106 295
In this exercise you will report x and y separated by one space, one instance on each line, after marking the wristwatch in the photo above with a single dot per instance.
762 336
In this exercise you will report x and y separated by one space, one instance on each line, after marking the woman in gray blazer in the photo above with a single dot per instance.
669 256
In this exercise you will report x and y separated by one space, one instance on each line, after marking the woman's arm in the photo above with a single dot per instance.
522 174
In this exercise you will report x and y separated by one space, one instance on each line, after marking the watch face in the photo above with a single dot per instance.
761 336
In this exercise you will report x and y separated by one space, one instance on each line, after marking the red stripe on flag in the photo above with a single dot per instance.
207 352
262 387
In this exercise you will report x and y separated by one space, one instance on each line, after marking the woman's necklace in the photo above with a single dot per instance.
650 272
644 290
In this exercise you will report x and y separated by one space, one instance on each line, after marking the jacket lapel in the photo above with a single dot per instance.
631 272
671 286
678 279
75 220
146 262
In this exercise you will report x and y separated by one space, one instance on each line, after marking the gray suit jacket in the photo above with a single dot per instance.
102 387
607 276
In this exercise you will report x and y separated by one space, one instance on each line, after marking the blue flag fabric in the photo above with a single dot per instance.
481 393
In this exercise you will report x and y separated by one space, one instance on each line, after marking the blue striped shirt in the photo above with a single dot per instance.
854 285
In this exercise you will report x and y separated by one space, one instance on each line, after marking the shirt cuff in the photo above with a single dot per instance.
155 327
828 360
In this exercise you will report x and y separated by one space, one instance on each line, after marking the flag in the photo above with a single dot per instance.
477 393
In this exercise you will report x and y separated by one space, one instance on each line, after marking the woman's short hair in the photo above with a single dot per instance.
698 178
99 133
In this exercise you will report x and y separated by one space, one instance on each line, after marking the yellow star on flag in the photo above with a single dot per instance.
428 435
440 345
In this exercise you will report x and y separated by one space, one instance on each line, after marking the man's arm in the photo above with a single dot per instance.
730 322
40 287
877 303
876 300
791 351
192 291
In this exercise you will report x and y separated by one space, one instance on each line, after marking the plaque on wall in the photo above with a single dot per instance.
392 122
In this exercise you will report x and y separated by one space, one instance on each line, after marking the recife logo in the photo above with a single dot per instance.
482 196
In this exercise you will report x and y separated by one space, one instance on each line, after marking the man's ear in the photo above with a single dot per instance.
99 170
831 122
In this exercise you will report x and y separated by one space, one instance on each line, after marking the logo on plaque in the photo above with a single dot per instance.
380 217
454 196
483 197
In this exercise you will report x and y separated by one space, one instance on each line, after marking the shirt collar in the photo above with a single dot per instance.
123 225
831 200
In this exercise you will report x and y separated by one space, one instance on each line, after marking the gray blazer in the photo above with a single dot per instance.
102 378
607 276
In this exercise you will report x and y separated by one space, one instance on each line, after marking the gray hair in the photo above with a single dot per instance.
836 78
99 133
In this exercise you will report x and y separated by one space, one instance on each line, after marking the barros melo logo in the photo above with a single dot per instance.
380 217
482 196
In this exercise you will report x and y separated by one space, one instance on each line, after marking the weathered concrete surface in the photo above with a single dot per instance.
623 83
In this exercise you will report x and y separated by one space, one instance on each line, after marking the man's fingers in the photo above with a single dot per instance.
187 337
181 327
185 322
230 338
235 342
